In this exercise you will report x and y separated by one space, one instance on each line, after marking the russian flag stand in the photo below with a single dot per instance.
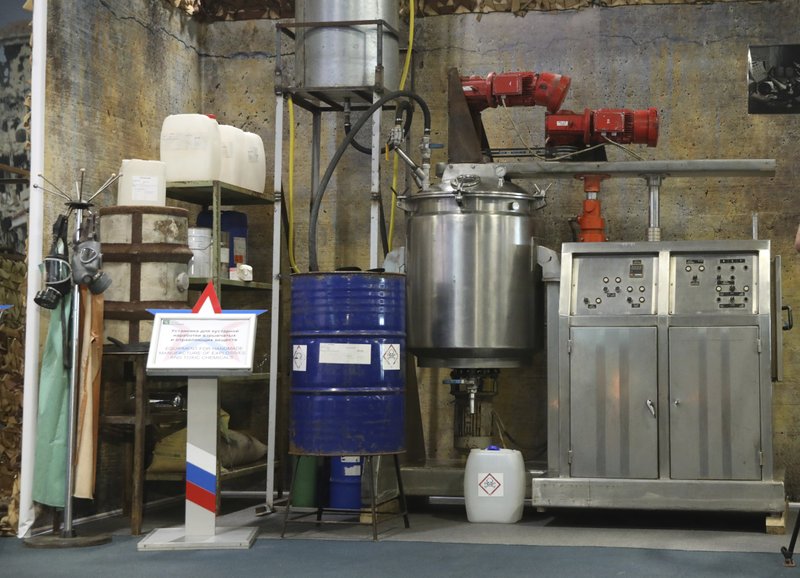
204 345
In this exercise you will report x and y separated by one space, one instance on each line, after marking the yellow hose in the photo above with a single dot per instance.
290 196
403 77
407 62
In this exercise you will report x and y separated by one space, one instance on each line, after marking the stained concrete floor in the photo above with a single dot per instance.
440 542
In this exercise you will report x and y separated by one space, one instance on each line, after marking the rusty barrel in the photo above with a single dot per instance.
146 253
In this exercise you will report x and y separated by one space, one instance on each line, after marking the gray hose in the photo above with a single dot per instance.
316 203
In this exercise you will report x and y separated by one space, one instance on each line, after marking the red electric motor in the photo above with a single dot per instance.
515 89
621 125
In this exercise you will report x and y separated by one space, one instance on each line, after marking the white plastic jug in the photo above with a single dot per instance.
253 163
231 155
494 485
200 245
191 147
142 183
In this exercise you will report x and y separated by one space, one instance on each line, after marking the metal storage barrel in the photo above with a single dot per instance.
345 482
348 364
146 254
471 270
344 55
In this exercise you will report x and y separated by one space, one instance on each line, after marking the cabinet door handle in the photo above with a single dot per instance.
651 407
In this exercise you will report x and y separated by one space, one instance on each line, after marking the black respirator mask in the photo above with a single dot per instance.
57 269
87 260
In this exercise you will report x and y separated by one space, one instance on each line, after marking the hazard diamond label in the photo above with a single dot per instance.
491 485
390 356
299 356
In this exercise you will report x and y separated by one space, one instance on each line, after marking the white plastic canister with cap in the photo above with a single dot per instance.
253 163
200 244
142 182
191 147
232 143
494 485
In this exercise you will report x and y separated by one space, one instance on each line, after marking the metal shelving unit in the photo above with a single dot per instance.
215 194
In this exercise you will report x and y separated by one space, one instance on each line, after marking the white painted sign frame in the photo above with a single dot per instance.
202 345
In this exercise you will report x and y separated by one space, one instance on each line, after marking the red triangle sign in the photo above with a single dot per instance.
208 297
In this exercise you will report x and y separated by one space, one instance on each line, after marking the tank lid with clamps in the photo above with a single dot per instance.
468 179
472 187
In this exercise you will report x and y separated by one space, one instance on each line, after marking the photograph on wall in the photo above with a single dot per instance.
773 79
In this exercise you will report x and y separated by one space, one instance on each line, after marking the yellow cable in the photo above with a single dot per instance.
403 77
290 197
407 63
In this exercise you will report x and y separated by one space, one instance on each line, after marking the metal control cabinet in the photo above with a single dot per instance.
662 398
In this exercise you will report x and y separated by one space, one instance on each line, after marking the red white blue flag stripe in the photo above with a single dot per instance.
201 478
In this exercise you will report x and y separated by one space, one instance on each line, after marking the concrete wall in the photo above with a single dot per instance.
689 61
114 71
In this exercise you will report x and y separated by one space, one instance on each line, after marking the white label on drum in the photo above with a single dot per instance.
299 356
490 485
345 353
390 356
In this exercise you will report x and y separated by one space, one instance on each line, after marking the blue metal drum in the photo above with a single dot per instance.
348 343
345 482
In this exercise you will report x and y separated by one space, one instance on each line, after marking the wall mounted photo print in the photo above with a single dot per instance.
773 79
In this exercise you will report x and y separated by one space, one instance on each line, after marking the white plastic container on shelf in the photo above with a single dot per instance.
231 154
494 485
191 147
254 163
142 183
200 245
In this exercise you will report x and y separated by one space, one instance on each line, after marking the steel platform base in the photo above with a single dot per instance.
176 539
446 479
711 495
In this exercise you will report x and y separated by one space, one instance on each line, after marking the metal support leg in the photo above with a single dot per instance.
289 498
356 514
401 495
789 552
372 499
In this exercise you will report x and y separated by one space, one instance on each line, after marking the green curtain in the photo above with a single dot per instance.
50 463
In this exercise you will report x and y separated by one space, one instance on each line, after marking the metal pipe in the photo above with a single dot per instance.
755 225
74 376
416 172
654 229
375 188
631 169
276 303
316 140
30 403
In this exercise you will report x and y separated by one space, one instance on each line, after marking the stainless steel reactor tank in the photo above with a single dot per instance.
470 261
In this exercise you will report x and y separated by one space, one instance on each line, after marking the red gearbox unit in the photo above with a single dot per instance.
621 125
515 89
